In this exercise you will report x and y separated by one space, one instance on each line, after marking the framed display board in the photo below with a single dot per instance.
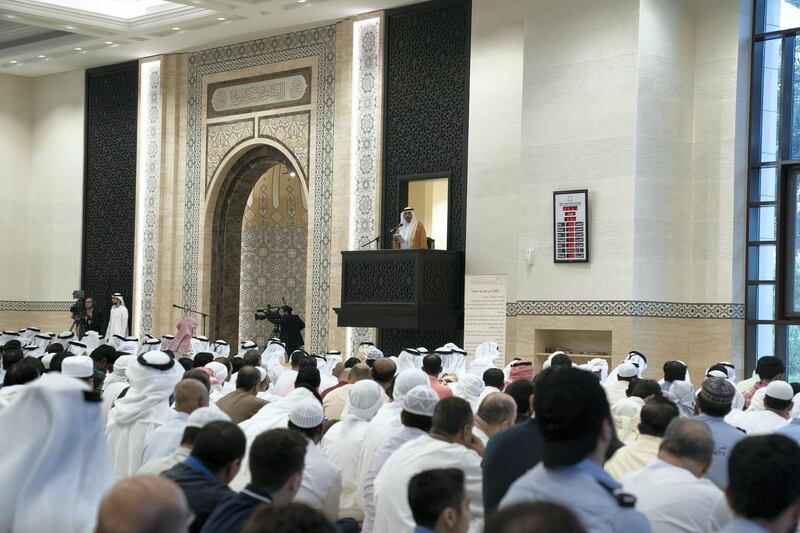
571 226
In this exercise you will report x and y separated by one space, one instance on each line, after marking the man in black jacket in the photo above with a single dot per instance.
291 325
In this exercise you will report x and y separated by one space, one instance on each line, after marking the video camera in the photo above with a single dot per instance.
78 309
263 314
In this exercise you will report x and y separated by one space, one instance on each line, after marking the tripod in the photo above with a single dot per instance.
77 327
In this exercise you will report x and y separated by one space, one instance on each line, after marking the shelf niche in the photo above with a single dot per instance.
580 344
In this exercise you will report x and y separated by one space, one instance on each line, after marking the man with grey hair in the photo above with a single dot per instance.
497 412
671 492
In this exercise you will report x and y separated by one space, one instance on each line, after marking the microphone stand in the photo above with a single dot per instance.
188 310
380 236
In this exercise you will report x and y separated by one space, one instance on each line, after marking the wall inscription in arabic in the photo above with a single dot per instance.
259 93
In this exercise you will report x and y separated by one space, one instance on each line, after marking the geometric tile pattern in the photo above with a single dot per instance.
625 308
151 70
319 43
366 100
221 139
21 305
292 131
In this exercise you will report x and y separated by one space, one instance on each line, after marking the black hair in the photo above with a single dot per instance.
13 344
275 456
189 435
674 371
34 362
450 416
632 381
413 420
297 357
764 476
55 362
290 518
542 517
386 375
656 416
218 444
55 347
432 491
248 378
646 387
560 359
432 364
522 391
309 376
104 352
775 403
351 362
20 374
711 409
494 377
251 358
308 432
287 309
769 367
185 362
202 359
236 364
308 362
200 376
12 357
795 387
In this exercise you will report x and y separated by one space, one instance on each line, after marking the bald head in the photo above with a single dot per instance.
498 409
359 372
143 504
190 394
252 358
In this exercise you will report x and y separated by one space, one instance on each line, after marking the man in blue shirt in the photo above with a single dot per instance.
439 502
276 464
764 488
575 421
215 460
711 405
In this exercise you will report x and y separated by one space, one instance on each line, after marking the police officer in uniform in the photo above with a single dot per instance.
575 421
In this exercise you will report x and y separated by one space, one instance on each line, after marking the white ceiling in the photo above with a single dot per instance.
41 37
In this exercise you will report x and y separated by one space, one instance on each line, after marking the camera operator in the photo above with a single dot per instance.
291 325
92 319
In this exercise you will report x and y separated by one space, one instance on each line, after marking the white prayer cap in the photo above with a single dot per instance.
780 390
364 400
205 415
471 386
78 366
627 370
407 380
219 370
421 400
307 414
374 353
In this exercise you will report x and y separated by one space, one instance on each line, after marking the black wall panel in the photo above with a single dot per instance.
109 197
426 107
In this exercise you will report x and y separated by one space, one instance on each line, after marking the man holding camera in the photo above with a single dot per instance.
290 327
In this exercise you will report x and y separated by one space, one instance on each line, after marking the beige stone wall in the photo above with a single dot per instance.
52 321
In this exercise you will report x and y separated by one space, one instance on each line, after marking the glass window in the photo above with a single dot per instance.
762 302
765 340
762 223
793 353
769 54
761 262
774 15
763 185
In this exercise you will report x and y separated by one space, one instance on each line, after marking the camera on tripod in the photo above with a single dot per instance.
78 309
263 314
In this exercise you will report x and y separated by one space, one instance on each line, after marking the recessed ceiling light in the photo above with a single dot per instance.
11 16
109 42
13 61
70 27
221 19
302 1
78 49
41 57
175 28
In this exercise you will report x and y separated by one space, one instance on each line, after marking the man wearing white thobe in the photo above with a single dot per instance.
671 491
775 414
343 442
451 444
117 318
144 408
417 417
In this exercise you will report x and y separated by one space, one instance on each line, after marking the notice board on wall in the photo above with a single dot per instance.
571 226
485 312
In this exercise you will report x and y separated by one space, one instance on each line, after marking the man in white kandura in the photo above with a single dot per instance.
117 318
410 234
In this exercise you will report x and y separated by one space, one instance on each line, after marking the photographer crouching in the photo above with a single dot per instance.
289 325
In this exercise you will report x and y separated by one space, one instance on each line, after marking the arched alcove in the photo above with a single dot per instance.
226 234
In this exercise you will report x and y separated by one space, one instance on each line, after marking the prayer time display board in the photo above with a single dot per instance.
571 226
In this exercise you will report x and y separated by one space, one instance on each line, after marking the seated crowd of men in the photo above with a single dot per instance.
129 436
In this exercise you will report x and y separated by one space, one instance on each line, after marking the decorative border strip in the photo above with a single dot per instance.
625 308
317 42
364 142
36 306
